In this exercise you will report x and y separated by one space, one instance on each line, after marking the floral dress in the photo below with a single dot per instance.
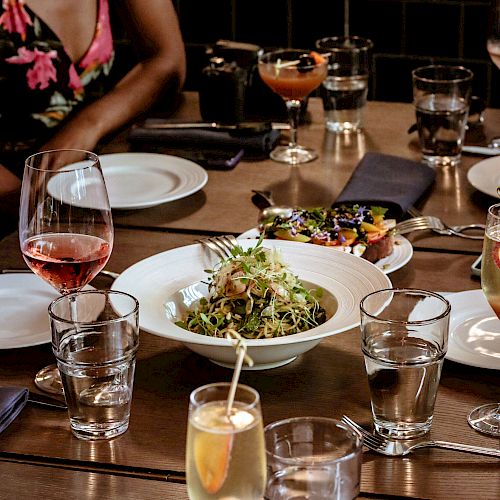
39 84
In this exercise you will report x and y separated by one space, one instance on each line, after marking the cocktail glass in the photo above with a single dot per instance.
293 74
225 454
486 418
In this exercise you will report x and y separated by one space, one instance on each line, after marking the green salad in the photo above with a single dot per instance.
255 294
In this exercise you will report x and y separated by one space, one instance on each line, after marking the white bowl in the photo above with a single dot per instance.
168 283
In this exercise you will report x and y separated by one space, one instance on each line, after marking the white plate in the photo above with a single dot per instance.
140 180
24 319
400 256
474 331
171 279
485 176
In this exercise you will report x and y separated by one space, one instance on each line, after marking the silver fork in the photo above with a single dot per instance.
451 230
222 246
400 448
419 223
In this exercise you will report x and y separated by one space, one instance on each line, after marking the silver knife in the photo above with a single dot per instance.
242 126
42 400
481 150
104 272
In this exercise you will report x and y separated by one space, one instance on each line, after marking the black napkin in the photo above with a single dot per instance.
387 181
261 141
12 401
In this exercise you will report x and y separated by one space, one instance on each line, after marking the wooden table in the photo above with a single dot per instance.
148 461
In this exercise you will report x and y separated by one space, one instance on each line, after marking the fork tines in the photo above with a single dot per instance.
370 440
221 245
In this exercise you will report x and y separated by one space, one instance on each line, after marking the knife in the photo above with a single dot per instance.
242 126
42 400
481 150
104 272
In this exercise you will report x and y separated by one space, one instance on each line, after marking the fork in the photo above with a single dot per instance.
442 228
222 246
422 222
398 448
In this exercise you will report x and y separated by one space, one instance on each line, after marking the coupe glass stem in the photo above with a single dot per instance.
293 107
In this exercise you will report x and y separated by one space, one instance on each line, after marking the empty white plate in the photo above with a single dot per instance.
24 318
474 331
142 180
485 176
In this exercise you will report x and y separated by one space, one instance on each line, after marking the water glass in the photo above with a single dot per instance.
95 336
404 338
441 95
312 457
225 455
345 89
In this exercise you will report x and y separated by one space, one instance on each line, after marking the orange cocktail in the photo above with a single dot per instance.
293 74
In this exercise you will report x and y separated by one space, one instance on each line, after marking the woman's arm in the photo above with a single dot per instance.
160 71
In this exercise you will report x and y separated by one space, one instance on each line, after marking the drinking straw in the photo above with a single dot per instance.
346 18
240 347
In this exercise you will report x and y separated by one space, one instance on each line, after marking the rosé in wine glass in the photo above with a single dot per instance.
486 418
65 226
293 74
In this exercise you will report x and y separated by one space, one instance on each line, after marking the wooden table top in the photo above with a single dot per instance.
148 460
317 183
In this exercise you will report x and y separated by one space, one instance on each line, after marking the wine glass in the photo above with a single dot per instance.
486 418
293 74
493 42
65 226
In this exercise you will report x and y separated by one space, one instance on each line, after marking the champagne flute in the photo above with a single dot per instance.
65 226
225 452
293 74
486 418
493 42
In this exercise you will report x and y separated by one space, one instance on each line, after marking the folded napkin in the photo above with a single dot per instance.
388 181
12 401
262 141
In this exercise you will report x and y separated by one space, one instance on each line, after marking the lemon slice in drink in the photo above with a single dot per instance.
212 453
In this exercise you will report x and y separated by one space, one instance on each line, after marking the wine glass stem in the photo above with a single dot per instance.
293 107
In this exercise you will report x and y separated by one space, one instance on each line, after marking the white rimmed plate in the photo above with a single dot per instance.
400 256
474 338
167 281
24 318
140 180
485 176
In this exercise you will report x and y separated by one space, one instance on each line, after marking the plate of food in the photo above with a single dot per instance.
322 289
354 229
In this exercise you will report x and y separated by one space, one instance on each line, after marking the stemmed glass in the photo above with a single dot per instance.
293 74
65 226
486 418
493 42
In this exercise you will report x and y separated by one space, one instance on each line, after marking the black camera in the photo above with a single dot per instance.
222 91
231 89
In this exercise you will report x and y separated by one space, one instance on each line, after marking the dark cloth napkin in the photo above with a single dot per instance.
262 141
12 401
387 181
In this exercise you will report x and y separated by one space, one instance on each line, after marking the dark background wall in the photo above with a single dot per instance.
406 34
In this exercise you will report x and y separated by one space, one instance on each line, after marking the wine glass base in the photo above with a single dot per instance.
293 155
486 419
49 380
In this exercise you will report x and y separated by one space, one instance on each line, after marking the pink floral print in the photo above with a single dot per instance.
42 71
15 18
